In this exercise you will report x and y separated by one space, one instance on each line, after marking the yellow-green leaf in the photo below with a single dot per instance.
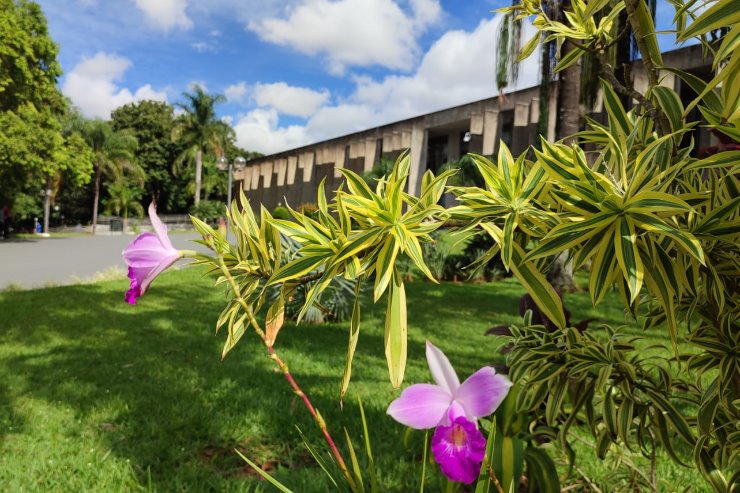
354 335
394 338
628 257
274 320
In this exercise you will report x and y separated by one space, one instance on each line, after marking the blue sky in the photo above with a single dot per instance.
294 71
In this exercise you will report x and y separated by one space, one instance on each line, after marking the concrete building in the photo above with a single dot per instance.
433 139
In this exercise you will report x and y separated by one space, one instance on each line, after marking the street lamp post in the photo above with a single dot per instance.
223 164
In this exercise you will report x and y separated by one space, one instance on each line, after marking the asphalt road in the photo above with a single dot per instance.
38 262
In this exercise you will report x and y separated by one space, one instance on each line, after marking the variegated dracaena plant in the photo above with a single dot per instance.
627 200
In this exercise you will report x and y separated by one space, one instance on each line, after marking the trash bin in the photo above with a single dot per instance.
116 225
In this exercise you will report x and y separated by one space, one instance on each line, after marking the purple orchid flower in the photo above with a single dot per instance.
147 256
453 409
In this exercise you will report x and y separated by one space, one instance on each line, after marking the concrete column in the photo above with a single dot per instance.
340 152
405 139
291 170
266 172
418 158
255 177
370 153
281 169
245 175
476 124
356 149
490 131
306 163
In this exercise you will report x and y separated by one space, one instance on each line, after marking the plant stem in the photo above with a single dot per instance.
286 372
491 473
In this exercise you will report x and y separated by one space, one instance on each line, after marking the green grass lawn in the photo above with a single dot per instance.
97 395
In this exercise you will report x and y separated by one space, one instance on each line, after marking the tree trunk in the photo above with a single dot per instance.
568 123
198 172
569 98
96 197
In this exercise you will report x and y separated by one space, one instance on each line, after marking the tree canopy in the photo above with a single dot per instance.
34 150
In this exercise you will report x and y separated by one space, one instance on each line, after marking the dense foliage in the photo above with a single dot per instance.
35 151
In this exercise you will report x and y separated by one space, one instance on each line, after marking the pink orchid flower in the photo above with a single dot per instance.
453 409
147 256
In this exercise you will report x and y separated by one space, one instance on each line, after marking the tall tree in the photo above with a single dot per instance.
198 130
34 150
113 156
151 123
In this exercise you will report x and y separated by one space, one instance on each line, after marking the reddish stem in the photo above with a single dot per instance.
316 416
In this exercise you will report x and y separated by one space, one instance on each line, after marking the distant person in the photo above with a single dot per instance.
37 225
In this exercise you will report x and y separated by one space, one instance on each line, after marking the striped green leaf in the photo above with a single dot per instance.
413 250
683 239
508 459
541 471
628 256
507 244
645 19
721 14
569 59
394 338
670 103
384 266
356 184
710 98
529 47
568 235
615 110
602 267
297 268
663 203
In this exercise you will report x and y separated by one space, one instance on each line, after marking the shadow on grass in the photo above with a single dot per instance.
147 381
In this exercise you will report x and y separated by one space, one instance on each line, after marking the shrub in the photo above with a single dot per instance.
209 211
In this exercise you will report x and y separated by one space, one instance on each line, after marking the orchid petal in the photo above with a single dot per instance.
482 392
158 269
442 371
159 227
421 406
146 248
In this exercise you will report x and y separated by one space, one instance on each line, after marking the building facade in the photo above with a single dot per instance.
433 139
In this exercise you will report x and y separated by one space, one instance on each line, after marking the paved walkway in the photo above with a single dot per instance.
41 261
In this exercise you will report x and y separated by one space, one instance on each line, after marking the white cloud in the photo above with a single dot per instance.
258 130
166 14
352 32
291 100
458 68
91 85
236 93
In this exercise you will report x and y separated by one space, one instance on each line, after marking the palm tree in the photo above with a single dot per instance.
198 130
113 155
124 198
